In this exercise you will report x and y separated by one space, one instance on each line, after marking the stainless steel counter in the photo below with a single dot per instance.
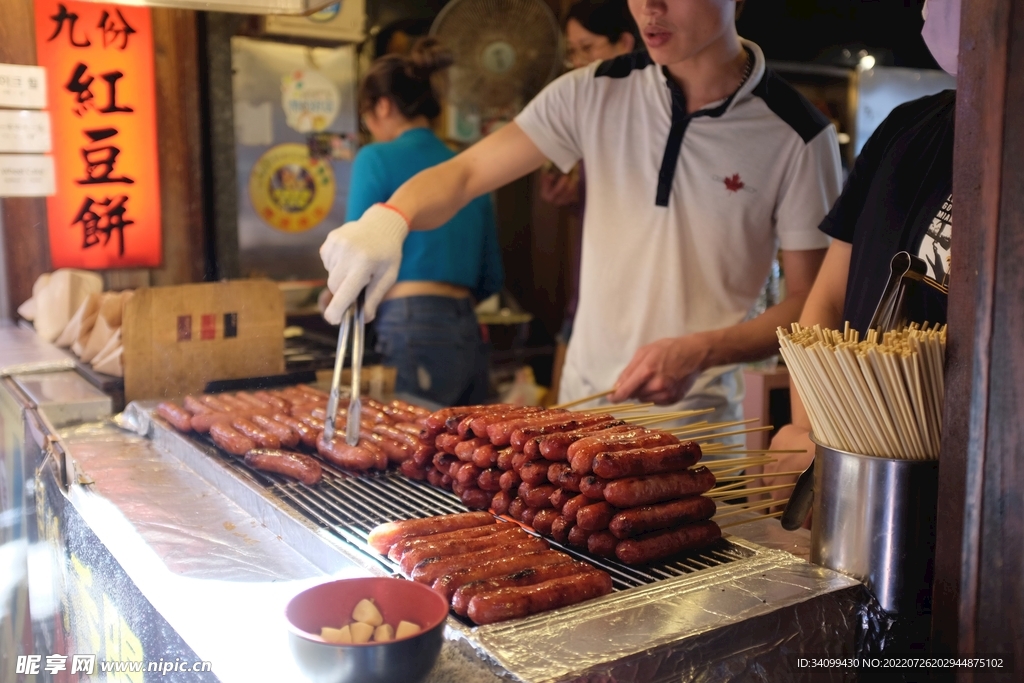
215 558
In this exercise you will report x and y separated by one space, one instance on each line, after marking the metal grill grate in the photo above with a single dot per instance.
349 506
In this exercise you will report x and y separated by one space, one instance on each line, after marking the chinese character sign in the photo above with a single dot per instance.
99 62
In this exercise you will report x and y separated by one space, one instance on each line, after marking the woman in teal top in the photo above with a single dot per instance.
426 326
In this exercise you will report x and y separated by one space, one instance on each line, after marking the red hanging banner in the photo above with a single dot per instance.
99 63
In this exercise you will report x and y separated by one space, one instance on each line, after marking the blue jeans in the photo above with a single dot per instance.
435 343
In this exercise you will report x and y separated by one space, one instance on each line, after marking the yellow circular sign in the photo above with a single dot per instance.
290 191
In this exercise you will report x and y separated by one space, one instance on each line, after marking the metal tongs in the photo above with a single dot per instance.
905 269
354 322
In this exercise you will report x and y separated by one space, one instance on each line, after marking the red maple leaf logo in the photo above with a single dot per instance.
734 184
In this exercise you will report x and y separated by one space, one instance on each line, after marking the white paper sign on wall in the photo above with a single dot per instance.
26 175
25 131
22 87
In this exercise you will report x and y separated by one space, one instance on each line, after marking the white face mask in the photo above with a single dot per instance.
941 31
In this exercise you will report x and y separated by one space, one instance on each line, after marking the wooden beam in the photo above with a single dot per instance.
978 597
26 247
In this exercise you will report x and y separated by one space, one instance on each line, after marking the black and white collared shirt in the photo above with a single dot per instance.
685 212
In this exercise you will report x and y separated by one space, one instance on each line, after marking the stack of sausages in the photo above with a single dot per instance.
487 571
270 427
588 480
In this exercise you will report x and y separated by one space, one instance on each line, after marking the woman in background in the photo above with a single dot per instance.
595 30
426 326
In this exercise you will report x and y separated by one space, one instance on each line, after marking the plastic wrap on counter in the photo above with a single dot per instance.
197 531
746 620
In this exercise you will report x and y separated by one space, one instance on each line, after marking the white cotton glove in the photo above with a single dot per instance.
363 253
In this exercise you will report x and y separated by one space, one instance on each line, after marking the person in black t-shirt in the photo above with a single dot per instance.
898 198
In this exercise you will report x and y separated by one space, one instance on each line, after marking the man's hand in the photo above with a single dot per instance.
790 437
363 253
559 189
664 371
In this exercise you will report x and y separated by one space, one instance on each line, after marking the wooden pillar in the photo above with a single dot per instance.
24 219
979 589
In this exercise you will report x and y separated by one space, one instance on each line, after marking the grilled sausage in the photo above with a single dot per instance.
514 603
519 460
475 498
466 473
562 476
516 507
500 502
510 481
444 461
524 577
464 449
449 583
560 497
595 517
435 477
216 403
500 431
560 529
658 488
201 422
507 533
399 549
261 406
602 544
640 520
555 447
446 443
572 507
582 453
593 487
658 545
554 425
276 401
413 471
339 453
194 406
294 465
534 473
434 423
638 462
260 437
578 537
285 434
490 480
179 418
306 433
382 537
480 424
536 496
430 571
543 520
485 456
231 440
505 456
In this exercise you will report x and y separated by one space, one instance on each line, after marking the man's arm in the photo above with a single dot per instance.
824 307
430 198
663 371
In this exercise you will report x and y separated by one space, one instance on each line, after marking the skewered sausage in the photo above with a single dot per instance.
534 473
595 517
410 469
602 544
516 507
514 603
446 443
464 449
593 487
640 520
560 529
500 502
295 465
582 453
543 520
555 447
658 488
499 431
578 537
508 533
560 497
475 498
554 425
527 516
634 463
399 549
572 507
485 456
658 545
382 537
481 424
510 481
490 480
562 476
536 496
179 418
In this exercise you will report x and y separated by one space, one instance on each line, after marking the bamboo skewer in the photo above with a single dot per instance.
696 429
735 433
759 476
747 521
644 421
742 493
729 487
738 468
735 462
752 508
620 408
585 399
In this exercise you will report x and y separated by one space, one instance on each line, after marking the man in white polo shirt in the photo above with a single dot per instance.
701 163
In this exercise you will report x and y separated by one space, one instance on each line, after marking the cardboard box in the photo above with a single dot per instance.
176 339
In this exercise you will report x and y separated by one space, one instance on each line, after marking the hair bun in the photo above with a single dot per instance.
428 56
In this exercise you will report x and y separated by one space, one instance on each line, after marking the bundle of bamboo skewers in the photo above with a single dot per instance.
881 396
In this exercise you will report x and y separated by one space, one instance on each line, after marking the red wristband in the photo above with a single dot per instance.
398 211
